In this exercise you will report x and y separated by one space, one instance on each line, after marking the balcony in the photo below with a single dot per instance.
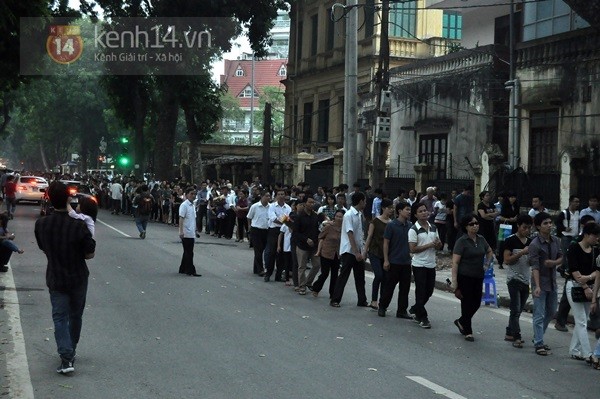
412 48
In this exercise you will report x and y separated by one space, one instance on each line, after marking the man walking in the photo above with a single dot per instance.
258 214
277 211
351 250
67 243
305 233
116 193
423 240
396 261
187 232
142 204
544 256
463 206
10 195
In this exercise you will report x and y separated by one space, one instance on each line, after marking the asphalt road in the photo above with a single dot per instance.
151 333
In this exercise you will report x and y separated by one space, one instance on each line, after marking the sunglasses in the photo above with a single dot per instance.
473 224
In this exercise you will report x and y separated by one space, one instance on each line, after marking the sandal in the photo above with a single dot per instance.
334 304
577 357
315 293
540 350
469 337
594 362
517 343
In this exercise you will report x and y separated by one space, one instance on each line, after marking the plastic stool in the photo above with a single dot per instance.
489 281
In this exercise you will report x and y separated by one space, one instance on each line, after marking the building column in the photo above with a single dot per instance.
492 160
218 169
338 167
301 161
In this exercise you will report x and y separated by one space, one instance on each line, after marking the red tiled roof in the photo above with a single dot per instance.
266 73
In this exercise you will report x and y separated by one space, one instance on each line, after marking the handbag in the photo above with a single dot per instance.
504 231
578 294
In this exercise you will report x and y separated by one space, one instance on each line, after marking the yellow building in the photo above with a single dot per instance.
315 82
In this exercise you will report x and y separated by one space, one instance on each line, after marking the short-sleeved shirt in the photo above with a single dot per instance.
419 235
259 215
520 270
376 245
464 206
580 261
352 222
541 250
287 237
472 255
187 211
397 233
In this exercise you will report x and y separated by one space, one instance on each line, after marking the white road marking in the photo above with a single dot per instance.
439 390
114 228
19 380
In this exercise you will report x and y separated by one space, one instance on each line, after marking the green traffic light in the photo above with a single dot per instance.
124 140
123 161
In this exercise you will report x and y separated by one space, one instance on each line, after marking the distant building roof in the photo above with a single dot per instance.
266 73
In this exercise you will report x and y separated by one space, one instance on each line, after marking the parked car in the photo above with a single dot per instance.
31 188
76 190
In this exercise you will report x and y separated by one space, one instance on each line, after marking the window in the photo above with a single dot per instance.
282 71
239 71
330 31
452 25
307 123
323 129
314 34
433 150
247 93
403 19
543 141
549 17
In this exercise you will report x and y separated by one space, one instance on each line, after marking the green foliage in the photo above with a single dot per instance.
275 96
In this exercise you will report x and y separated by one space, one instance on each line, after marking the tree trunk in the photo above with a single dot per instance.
194 155
43 156
165 133
84 156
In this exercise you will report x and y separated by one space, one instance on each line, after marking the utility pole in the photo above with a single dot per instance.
266 155
251 103
382 83
351 94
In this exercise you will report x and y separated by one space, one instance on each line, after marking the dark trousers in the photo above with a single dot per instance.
397 275
470 288
518 292
294 266
271 251
200 216
259 242
116 206
349 263
242 227
286 260
424 285
563 307
5 254
442 228
380 276
229 223
328 265
187 260
67 312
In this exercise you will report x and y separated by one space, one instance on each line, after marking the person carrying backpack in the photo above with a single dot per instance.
143 204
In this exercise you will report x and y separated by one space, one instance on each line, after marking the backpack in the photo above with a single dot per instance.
145 205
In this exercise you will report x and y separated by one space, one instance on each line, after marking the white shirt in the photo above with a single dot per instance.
188 212
573 223
116 191
352 222
419 235
230 200
287 238
89 222
276 211
259 215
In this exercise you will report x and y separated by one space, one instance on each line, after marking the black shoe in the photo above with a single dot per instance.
364 304
381 312
143 234
66 367
3 269
404 315
267 279
310 287
262 274
194 274
425 323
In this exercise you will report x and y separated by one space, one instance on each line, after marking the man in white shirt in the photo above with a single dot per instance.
229 210
537 206
592 208
258 214
116 193
277 210
423 240
187 232
351 252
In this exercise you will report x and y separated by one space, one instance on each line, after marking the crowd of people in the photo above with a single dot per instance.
303 238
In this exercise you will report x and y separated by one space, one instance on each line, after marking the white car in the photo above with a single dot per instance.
31 188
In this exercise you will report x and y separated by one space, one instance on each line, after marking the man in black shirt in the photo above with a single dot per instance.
305 234
67 243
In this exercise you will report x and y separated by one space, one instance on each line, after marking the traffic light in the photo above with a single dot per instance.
124 140
123 160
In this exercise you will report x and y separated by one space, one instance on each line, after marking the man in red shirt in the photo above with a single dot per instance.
10 192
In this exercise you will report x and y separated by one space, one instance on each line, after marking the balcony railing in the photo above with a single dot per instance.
412 48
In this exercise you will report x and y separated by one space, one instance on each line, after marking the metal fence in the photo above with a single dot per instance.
393 185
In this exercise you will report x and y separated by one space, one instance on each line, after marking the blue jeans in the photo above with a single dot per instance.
518 292
10 245
380 276
141 222
67 310
544 308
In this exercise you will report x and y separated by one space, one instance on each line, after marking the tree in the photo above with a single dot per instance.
274 96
